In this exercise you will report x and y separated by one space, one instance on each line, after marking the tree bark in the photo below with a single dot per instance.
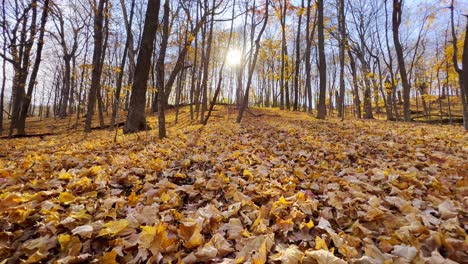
206 65
321 108
463 72
396 21
342 32
115 105
160 73
97 67
136 119
298 59
32 79
252 64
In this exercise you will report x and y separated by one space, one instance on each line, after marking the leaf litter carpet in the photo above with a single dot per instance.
279 188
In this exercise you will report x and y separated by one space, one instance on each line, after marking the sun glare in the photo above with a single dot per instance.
233 57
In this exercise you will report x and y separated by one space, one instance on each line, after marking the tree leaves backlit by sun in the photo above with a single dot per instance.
274 189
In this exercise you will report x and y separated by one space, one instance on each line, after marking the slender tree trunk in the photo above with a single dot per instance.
32 79
221 70
283 54
97 67
462 73
115 105
160 79
464 86
2 93
66 87
356 98
321 108
342 32
136 119
252 67
298 59
206 65
396 21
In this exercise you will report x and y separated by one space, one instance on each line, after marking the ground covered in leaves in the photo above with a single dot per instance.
279 188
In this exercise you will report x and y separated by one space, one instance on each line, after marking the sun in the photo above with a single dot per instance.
233 57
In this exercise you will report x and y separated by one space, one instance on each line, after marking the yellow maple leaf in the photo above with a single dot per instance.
112 228
83 214
64 240
320 243
133 199
66 197
281 202
147 236
63 175
307 225
247 174
4 173
165 197
109 258
261 256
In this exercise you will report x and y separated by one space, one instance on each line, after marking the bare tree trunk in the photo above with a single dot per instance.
342 32
220 79
206 65
321 108
115 105
462 73
136 119
160 72
283 88
464 88
396 21
97 67
2 93
32 79
252 64
298 58
356 99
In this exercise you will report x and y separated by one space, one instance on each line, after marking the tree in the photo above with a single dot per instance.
252 64
128 49
396 21
462 72
298 58
68 53
160 72
97 62
4 78
22 37
321 108
136 119
342 40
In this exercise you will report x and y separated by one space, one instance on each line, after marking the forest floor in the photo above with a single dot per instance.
280 187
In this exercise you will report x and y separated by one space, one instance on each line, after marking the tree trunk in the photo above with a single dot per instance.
115 105
97 67
32 80
342 32
462 73
356 99
298 60
252 64
321 108
206 65
464 87
160 79
396 21
66 87
136 119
